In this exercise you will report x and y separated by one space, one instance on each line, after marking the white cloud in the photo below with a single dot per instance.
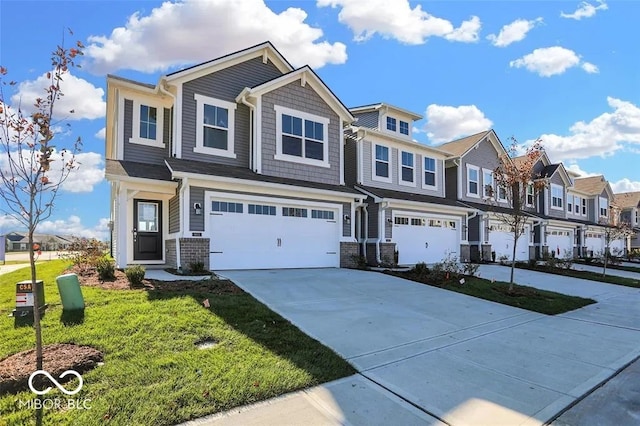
446 123
625 185
602 136
73 226
574 167
513 32
183 32
549 61
80 96
585 10
399 21
590 68
8 223
100 134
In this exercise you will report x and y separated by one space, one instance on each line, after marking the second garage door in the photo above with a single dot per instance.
501 240
425 239
264 235
560 242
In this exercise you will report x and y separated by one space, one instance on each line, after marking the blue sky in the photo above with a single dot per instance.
565 71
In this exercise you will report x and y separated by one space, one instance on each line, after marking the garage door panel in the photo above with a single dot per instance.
560 241
502 244
425 239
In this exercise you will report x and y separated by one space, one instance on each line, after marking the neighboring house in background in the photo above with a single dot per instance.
470 181
19 241
235 163
406 211
628 204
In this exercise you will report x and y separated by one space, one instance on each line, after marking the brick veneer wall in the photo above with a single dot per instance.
194 250
349 252
465 253
387 253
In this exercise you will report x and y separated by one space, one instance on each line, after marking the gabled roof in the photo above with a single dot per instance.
549 170
265 49
627 200
306 76
460 147
128 81
389 136
544 158
593 185
383 105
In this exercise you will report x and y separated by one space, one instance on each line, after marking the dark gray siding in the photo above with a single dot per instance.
483 156
367 119
303 99
136 152
557 180
451 182
591 210
166 133
174 214
473 233
372 209
350 163
625 216
196 195
388 226
225 84
346 226
367 171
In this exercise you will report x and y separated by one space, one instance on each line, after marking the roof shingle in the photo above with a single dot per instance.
460 146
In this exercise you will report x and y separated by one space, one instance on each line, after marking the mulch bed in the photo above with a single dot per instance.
16 369
211 286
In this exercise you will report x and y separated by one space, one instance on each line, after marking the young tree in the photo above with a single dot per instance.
32 168
613 230
515 180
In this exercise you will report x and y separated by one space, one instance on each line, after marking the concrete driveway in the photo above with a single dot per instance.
457 358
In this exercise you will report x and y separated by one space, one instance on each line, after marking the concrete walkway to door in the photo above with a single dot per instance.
460 359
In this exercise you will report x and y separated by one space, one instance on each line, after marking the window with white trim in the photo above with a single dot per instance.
584 207
407 169
147 124
604 207
301 137
404 127
570 203
487 183
322 214
473 181
398 220
429 172
215 121
223 206
531 195
261 209
557 197
391 124
294 212
381 163
577 202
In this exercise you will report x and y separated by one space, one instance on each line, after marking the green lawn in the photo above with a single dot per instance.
585 275
610 266
153 374
529 298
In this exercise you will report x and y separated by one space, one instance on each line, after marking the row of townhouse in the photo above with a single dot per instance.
628 204
246 162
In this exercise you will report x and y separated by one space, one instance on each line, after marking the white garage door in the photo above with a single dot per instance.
617 247
501 240
560 241
425 239
265 234
594 242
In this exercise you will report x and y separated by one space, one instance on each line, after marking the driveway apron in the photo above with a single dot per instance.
460 359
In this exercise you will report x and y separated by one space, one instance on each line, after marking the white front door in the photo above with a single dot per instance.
501 240
269 234
421 238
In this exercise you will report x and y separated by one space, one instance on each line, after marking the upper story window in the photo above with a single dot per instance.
570 203
636 216
407 170
381 164
429 172
301 137
391 124
557 197
584 206
502 193
604 207
487 183
473 181
215 121
147 125
531 195
404 127
577 202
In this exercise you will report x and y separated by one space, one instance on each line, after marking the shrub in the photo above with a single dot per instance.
84 253
106 268
504 259
196 267
135 275
420 269
470 269
360 262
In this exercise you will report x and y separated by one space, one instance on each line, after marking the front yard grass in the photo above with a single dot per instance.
585 275
610 266
529 298
153 373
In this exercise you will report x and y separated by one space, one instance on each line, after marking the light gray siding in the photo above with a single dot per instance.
225 84
367 119
141 153
367 175
483 156
350 162
561 214
303 99
174 214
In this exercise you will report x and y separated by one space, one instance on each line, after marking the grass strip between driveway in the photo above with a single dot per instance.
585 275
153 373
610 266
529 298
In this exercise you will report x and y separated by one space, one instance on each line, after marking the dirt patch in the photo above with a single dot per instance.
16 369
90 278
211 286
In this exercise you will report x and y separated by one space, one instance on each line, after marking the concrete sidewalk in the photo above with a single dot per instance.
5 269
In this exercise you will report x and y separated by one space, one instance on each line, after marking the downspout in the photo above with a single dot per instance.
362 208
173 98
183 187
252 114
381 226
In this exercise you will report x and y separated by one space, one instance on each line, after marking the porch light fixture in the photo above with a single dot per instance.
197 208
347 218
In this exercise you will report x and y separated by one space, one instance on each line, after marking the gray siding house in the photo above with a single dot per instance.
234 163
